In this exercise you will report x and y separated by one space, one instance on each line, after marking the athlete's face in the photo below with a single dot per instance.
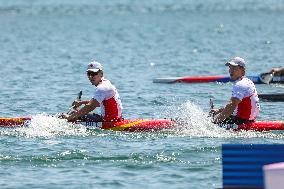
235 72
95 77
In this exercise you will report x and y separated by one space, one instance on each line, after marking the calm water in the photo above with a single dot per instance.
45 47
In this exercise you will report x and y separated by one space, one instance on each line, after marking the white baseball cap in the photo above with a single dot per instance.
237 61
94 67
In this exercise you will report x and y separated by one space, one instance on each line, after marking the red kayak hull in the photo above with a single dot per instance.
123 125
145 124
139 125
13 122
263 126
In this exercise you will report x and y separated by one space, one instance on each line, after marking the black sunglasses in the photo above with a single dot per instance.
92 73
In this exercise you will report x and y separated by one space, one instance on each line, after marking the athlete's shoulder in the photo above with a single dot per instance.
105 86
240 82
248 80
244 82
241 85
106 82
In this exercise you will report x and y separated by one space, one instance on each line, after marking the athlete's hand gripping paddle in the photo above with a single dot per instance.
212 112
211 103
65 115
74 104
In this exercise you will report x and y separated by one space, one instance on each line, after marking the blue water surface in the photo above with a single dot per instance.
46 45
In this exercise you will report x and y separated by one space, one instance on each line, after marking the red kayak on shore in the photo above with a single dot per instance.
132 125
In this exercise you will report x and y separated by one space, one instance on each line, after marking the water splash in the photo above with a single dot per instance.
43 125
194 121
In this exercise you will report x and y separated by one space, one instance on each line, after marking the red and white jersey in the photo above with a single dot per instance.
244 90
110 103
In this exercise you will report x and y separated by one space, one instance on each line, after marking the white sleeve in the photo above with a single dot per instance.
99 95
238 92
104 92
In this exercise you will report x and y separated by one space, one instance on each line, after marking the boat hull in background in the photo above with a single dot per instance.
207 79
276 97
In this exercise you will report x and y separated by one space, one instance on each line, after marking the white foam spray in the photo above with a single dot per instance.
194 121
43 125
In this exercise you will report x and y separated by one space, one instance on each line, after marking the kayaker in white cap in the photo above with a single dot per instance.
105 96
243 106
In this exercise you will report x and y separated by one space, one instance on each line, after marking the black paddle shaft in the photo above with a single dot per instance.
80 95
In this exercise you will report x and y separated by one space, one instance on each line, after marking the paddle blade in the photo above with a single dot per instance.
79 95
211 103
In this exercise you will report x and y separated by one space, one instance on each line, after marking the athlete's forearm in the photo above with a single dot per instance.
228 110
84 102
213 112
83 111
